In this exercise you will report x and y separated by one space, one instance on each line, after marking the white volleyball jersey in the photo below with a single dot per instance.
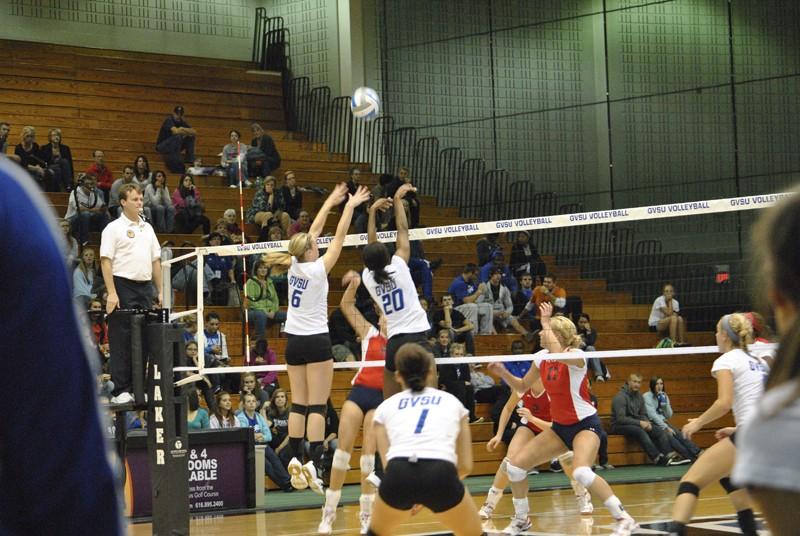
762 349
749 375
424 424
398 299
308 298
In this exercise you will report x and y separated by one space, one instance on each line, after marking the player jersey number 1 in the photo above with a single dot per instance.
393 301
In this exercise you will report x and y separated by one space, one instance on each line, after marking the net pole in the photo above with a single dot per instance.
239 159
201 328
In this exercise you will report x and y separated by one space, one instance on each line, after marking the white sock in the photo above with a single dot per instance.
366 500
521 508
578 488
614 506
332 498
494 496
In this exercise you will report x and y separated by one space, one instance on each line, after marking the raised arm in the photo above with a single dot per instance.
348 306
401 222
337 196
380 205
549 339
335 247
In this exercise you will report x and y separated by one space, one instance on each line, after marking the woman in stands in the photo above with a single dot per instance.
235 166
308 349
188 207
278 421
659 412
740 383
58 161
365 396
268 209
250 385
389 282
533 408
576 425
83 278
223 417
157 199
426 447
141 170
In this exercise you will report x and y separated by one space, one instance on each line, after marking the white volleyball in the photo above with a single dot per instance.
365 103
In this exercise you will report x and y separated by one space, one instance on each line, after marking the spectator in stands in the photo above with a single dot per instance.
158 201
292 196
268 209
262 301
206 384
5 129
486 248
411 200
101 172
588 337
174 138
86 210
278 420
216 353
197 417
189 207
83 279
522 295
664 318
232 225
379 191
360 216
525 258
602 452
548 292
455 379
442 346
262 155
346 345
659 411
498 263
141 170
72 245
99 329
447 317
499 297
302 225
224 417
58 161
629 418
233 154
184 277
222 279
264 355
466 291
190 328
486 390
273 468
113 195
30 158
250 385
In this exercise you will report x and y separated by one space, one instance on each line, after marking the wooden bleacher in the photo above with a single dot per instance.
116 101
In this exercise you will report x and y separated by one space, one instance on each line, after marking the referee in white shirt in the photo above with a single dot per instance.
131 261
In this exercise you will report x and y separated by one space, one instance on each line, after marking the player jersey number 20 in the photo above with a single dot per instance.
393 301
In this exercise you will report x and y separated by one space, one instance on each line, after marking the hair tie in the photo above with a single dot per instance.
726 325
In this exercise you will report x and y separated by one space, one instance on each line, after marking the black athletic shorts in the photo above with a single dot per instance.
431 483
365 398
305 349
732 437
396 341
567 433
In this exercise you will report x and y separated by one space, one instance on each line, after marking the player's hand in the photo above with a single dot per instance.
525 413
361 196
493 443
338 194
722 433
403 190
690 428
381 205
160 298
112 303
545 311
496 367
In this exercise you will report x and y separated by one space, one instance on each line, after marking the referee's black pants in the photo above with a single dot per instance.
132 295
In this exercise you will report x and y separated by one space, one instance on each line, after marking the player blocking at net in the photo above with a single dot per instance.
309 357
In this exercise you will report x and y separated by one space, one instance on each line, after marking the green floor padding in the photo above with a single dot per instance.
478 485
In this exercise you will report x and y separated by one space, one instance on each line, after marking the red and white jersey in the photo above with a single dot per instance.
373 348
539 406
568 388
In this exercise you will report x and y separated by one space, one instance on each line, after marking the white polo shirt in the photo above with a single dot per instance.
132 247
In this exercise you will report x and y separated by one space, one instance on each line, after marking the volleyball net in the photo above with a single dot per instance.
612 264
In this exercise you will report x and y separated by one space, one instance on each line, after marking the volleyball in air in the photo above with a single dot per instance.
365 103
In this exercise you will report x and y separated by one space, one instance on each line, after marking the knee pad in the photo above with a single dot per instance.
320 409
515 474
299 409
341 460
727 485
504 465
566 458
367 464
584 476
688 487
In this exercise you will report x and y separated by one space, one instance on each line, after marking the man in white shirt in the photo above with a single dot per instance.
130 257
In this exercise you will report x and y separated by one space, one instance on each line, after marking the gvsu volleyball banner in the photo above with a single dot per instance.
221 472
691 208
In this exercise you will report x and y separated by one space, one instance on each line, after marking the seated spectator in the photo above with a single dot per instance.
197 168
262 301
602 452
487 247
465 292
378 191
189 328
278 420
629 418
486 390
588 337
450 318
216 354
664 318
101 172
250 385
264 355
346 345
30 158
548 292
455 379
72 245
232 226
522 295
223 417
233 161
525 258
205 385
659 411
499 297
99 330
498 263
292 196
5 130
267 209
411 200
442 346
86 210
302 225
141 170
158 201
426 306
360 216
262 155
113 195
84 279
189 207
197 417
273 467
184 277
222 277
176 137
58 161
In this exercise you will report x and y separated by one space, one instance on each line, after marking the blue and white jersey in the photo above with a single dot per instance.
55 470
398 299
424 424
308 298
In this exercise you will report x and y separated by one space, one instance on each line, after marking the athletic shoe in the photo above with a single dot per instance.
363 519
555 466
295 469
625 526
585 503
233 186
518 525
486 511
328 517
661 460
123 398
533 472
678 460
314 482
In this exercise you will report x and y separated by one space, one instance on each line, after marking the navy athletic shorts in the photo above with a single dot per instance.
365 398
567 433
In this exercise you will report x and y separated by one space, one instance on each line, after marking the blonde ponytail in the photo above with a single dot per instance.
280 261
739 330
565 329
